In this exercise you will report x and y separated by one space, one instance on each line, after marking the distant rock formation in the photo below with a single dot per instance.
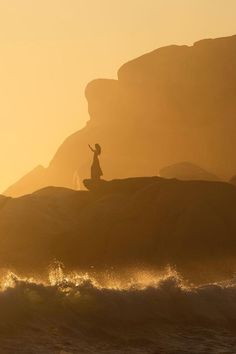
136 221
187 171
29 183
174 104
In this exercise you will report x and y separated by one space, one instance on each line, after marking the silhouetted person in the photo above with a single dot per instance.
96 171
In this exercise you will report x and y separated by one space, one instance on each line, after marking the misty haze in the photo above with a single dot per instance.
118 204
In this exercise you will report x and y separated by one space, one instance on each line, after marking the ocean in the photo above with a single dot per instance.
131 311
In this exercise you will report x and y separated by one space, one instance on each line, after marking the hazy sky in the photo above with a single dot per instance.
50 49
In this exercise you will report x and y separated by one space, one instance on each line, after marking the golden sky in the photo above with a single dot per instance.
50 49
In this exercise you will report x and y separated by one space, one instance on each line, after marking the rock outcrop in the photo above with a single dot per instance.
174 104
132 222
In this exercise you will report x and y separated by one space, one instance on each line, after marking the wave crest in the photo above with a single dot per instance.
145 297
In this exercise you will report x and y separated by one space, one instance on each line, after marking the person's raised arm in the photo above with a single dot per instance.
91 148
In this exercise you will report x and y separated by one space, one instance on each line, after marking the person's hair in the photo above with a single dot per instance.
98 149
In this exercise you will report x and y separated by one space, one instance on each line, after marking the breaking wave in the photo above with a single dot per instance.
100 308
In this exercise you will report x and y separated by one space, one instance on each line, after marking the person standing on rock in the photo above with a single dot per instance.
96 171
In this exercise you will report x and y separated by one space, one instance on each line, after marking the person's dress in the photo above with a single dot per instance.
96 171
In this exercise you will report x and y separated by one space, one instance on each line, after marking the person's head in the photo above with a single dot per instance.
98 149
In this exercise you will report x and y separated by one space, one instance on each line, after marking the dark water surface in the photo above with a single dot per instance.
144 312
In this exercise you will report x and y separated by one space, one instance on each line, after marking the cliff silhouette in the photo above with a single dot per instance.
174 104
147 221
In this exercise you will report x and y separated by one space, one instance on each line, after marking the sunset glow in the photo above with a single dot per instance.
51 49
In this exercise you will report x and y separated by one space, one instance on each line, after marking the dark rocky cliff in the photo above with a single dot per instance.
149 222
